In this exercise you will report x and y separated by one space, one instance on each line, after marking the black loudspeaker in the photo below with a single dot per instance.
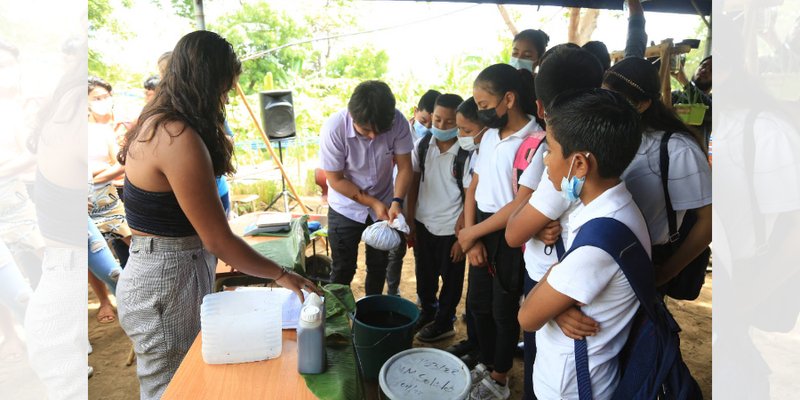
277 114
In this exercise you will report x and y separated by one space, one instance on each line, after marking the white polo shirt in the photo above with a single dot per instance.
439 200
689 181
591 276
495 168
552 204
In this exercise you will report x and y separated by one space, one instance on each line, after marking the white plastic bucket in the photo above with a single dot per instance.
240 326
424 374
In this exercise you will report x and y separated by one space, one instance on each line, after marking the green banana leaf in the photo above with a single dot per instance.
288 252
340 381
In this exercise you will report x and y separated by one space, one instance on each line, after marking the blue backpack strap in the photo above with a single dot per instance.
616 239
582 369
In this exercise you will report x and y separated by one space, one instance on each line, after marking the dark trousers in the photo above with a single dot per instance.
344 235
122 251
493 296
530 349
395 267
432 258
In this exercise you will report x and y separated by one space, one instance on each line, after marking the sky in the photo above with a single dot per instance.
446 31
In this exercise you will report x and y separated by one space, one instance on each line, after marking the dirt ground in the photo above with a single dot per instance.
113 380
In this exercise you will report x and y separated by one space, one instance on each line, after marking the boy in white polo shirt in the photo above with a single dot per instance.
434 204
584 168
563 68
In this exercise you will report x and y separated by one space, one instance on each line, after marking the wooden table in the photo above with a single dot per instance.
270 379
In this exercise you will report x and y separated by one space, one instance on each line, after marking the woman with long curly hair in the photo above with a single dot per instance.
179 228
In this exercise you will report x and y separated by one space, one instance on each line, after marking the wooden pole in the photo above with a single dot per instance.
269 148
507 19
664 72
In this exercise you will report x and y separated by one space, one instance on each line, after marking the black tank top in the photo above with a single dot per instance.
156 213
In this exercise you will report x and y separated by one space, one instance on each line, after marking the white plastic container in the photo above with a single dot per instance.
424 374
290 303
240 326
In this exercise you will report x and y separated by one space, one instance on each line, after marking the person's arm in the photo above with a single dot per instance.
401 183
477 252
470 206
411 207
186 164
113 171
636 42
496 222
696 241
347 188
542 304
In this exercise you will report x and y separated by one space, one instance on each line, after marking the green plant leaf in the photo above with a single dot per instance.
340 380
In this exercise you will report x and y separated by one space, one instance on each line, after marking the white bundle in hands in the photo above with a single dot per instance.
384 236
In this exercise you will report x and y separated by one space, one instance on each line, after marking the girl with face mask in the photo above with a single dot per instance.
527 48
105 206
505 105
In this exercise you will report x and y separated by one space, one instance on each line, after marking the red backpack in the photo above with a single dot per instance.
525 154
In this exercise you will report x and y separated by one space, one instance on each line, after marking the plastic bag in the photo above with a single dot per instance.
383 236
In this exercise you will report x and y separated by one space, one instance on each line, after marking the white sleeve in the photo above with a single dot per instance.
415 156
776 175
533 173
689 174
583 274
469 168
547 200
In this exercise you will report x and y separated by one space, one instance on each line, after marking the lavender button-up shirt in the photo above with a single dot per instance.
367 163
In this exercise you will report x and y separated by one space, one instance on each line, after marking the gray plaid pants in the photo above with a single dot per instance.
159 294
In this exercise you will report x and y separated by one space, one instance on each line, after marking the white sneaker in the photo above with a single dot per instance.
488 389
478 373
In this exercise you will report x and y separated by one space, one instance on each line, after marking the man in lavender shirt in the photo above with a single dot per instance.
357 147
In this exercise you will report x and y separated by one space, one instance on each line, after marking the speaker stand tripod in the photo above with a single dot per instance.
284 194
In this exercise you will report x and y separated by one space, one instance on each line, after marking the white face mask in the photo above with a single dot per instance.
521 63
102 107
468 142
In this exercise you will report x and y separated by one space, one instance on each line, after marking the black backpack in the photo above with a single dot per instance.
650 363
458 162
687 284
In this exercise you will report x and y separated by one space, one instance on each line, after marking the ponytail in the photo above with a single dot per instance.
498 79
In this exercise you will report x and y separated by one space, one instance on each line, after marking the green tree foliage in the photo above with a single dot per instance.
255 28
361 63
101 19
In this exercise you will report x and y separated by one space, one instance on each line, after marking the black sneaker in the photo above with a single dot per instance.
424 319
461 348
471 358
434 332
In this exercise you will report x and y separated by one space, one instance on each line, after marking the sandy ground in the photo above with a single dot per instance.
113 380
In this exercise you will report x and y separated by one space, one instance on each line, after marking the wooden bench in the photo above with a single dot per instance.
245 198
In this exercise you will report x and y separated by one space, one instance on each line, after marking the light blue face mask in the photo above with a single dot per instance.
571 187
521 63
444 135
419 129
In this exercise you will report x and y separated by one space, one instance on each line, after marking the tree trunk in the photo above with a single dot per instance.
582 26
572 28
507 19
587 25
199 17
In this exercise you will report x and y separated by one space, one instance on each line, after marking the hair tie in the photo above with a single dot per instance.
628 81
